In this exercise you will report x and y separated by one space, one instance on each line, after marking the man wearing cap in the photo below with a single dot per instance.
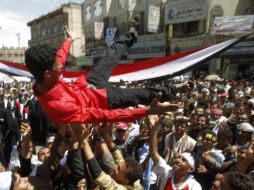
121 136
123 141
244 134
178 176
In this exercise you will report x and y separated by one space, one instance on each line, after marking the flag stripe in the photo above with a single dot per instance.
142 70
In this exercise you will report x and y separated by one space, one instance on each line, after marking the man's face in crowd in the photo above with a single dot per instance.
241 110
223 142
201 122
199 110
181 165
221 183
242 118
215 116
213 106
207 143
180 128
43 154
241 154
121 135
119 174
243 137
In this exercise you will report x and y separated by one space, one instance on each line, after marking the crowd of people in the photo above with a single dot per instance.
92 134
206 144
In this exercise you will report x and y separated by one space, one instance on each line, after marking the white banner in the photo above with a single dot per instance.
98 30
153 18
185 11
233 25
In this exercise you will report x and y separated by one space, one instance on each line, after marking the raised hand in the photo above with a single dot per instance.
74 140
85 132
26 130
152 121
105 130
70 34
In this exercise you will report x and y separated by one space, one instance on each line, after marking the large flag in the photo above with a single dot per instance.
167 66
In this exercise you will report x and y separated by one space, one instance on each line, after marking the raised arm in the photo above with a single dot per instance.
94 167
64 49
105 131
26 142
152 122
26 149
50 167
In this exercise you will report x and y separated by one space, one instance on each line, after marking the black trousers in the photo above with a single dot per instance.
119 97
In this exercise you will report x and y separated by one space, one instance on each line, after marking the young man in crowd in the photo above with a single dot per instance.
178 141
179 175
92 99
45 173
122 173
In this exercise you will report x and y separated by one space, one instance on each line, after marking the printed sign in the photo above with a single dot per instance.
233 25
153 18
186 10
98 30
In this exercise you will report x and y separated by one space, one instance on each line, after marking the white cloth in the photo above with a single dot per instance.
63 162
134 130
5 180
143 152
185 143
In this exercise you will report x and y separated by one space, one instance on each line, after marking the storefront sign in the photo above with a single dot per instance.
148 46
233 25
153 18
186 10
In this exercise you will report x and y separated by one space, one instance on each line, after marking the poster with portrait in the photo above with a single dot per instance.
110 34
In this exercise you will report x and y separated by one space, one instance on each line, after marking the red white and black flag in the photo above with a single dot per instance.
167 66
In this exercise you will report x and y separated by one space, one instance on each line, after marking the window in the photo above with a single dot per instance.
98 8
88 13
189 28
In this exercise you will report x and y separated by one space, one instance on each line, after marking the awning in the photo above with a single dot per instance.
241 49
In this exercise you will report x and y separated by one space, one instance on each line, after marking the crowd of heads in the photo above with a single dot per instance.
210 137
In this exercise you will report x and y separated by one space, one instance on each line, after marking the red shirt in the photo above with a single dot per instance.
75 103
169 185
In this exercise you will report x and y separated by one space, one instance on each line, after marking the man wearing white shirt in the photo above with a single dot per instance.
178 141
177 177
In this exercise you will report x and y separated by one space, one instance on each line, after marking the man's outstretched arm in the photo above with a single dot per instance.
70 112
153 122
63 51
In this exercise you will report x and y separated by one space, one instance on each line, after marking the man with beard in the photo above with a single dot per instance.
197 131
178 141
